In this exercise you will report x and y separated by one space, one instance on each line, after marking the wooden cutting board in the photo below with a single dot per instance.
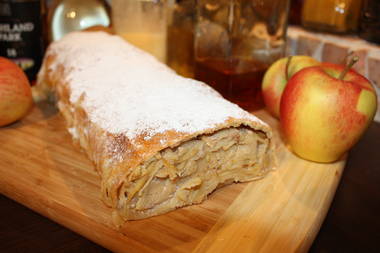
42 169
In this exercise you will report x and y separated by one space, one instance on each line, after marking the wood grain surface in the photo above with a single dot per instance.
42 169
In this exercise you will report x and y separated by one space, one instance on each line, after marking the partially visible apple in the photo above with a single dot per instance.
276 77
15 92
325 112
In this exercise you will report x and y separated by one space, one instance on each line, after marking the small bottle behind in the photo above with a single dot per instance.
22 33
335 16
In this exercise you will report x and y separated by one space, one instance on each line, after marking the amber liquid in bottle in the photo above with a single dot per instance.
238 81
336 16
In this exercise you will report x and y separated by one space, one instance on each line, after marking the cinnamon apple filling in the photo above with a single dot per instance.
186 174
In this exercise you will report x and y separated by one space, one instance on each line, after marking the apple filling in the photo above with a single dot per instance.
186 174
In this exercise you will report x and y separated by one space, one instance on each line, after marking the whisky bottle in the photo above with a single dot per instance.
22 33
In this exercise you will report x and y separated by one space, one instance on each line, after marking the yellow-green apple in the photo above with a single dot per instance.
324 110
276 77
15 92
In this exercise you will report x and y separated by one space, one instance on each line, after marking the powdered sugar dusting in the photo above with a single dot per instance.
127 91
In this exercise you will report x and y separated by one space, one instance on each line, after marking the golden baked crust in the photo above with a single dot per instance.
123 162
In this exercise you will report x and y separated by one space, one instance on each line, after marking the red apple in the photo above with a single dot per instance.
276 77
323 116
15 92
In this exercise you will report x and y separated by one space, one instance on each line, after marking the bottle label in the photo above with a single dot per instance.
21 37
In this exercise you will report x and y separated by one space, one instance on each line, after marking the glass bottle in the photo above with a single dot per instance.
22 33
235 42
142 23
337 16
70 15
180 38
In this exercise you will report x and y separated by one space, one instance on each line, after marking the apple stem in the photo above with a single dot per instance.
287 67
347 57
348 67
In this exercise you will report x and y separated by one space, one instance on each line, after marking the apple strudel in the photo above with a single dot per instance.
158 140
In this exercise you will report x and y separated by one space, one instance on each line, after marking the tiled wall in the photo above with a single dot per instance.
333 48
